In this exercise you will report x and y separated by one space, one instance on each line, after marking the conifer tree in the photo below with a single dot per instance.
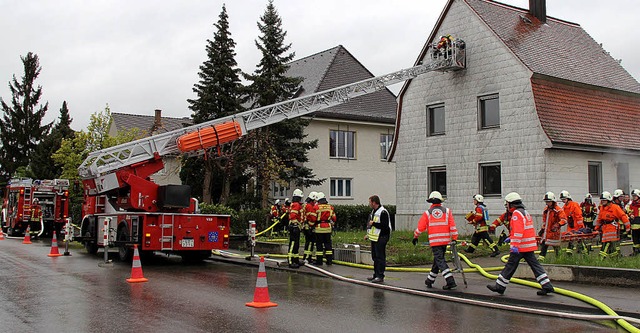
42 165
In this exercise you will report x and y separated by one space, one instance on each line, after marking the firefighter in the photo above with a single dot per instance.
295 219
36 212
478 218
308 227
617 198
439 224
324 226
275 215
574 220
589 211
501 220
634 212
523 245
553 218
609 219
284 215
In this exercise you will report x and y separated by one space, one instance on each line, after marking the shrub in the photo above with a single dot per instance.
355 217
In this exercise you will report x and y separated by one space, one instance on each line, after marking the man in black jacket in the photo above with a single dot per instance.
378 232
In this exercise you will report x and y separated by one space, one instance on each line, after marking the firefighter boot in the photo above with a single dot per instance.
495 250
496 288
470 249
451 284
546 289
318 261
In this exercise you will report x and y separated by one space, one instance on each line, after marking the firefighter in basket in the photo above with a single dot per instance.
553 218
478 218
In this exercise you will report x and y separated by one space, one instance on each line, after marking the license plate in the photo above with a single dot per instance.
186 242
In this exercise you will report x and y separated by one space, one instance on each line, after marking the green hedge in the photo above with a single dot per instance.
355 217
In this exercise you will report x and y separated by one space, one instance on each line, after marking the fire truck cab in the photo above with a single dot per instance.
19 196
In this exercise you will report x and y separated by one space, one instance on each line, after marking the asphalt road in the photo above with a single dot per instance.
74 294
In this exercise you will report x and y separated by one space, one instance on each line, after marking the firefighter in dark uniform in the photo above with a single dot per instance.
589 211
478 218
295 220
309 225
634 213
36 212
324 227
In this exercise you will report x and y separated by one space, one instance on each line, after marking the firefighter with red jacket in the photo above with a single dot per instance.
308 227
501 220
478 218
553 218
523 244
589 211
295 221
275 215
439 224
574 220
36 212
634 213
324 227
609 222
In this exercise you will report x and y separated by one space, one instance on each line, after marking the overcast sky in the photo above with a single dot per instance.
143 55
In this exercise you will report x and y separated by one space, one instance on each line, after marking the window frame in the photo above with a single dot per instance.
481 180
482 110
335 150
430 119
431 186
388 142
598 165
334 187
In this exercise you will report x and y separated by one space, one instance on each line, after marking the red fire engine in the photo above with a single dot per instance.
19 198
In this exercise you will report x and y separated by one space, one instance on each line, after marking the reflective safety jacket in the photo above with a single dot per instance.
36 213
634 213
381 224
275 211
295 218
574 216
504 219
326 218
609 220
310 215
479 218
589 211
438 222
553 218
522 233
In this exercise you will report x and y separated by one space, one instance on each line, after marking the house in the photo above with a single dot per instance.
541 106
151 125
353 138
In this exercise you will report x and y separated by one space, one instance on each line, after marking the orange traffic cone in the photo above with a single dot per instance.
27 236
136 268
1 235
261 294
54 246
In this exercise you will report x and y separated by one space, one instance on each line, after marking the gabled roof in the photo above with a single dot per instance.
126 122
578 115
333 68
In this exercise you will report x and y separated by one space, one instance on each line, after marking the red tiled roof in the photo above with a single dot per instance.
580 115
558 48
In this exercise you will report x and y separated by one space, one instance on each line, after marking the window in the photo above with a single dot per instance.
279 190
386 140
595 177
435 120
622 171
340 187
438 180
342 144
489 113
490 179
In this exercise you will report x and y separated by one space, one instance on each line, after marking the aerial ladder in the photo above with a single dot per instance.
122 172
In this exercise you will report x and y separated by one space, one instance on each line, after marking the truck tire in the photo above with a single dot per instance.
91 246
125 252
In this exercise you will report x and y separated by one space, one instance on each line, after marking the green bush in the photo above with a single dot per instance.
355 217
239 220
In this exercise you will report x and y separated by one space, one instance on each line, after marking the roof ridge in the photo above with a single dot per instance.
145 115
324 73
526 11
313 55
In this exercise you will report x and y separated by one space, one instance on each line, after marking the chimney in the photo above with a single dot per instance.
538 8
158 119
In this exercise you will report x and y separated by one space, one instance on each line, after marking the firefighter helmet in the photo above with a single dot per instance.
287 201
606 196
277 202
636 192
587 196
320 195
565 195
297 193
549 196
478 198
618 193
511 197
312 195
435 196
35 200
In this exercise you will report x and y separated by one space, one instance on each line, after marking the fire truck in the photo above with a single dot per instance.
121 198
19 197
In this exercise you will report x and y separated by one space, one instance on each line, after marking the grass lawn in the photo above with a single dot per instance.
593 259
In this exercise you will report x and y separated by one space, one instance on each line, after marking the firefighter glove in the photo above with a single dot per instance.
492 229
415 241
507 240
514 249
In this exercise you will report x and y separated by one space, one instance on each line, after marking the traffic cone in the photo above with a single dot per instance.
1 235
27 236
261 294
136 268
54 246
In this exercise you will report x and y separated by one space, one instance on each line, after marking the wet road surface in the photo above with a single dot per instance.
73 294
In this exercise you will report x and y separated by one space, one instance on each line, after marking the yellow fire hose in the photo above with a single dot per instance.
265 230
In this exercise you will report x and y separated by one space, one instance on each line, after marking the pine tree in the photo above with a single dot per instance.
42 165
21 128
219 94
279 148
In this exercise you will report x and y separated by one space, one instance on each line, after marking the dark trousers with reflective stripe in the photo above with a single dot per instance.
480 236
440 264
323 247
294 244
309 243
379 256
538 271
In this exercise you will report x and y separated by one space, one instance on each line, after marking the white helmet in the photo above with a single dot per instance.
320 195
35 200
478 198
636 192
565 195
277 202
511 197
606 196
618 193
297 193
587 196
313 195
286 201
435 195
549 196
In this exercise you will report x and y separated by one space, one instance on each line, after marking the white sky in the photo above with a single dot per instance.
143 55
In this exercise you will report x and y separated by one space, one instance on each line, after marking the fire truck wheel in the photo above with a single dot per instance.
92 247
125 252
